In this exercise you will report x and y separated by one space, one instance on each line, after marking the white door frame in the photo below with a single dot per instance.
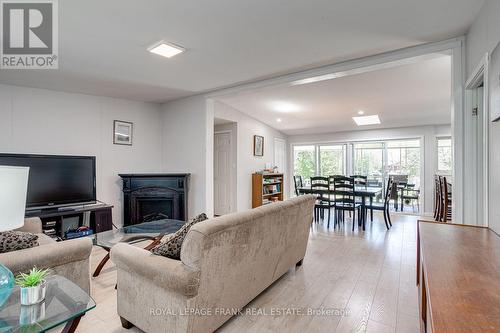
232 161
455 47
479 76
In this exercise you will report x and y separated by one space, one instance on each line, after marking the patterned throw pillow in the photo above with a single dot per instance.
17 240
171 246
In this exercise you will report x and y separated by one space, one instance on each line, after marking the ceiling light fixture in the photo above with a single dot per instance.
167 50
367 120
361 112
278 120
285 107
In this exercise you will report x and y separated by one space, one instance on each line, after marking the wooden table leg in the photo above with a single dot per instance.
104 260
371 210
101 265
71 325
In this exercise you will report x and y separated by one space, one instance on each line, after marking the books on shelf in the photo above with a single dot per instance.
269 189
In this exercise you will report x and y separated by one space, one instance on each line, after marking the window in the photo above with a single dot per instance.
403 158
324 160
332 160
368 161
444 155
304 161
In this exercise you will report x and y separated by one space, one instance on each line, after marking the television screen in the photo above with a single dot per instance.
56 180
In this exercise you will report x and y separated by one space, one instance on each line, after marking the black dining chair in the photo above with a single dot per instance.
345 200
412 195
298 184
383 206
360 180
323 201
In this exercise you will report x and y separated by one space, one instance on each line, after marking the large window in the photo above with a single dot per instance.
403 158
444 155
304 161
369 161
332 160
323 160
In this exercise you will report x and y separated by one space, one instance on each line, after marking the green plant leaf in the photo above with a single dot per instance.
34 277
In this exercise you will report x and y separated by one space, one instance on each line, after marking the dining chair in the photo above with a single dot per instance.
411 194
436 197
384 206
345 200
445 200
324 201
360 180
398 181
298 184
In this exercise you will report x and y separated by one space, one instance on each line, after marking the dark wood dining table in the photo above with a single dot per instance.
359 191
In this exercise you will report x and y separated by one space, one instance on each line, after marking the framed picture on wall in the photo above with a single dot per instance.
122 132
258 145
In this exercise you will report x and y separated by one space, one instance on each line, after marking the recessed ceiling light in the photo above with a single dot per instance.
278 120
167 50
285 107
361 112
367 120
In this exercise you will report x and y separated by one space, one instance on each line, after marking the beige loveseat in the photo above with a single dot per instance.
69 258
225 263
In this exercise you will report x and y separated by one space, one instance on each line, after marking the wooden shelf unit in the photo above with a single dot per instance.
265 186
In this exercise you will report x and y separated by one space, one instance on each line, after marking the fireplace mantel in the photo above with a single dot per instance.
150 194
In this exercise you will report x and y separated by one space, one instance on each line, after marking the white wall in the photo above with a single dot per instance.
484 36
247 164
50 122
188 147
427 133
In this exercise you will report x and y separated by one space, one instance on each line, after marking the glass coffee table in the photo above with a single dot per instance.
65 302
152 231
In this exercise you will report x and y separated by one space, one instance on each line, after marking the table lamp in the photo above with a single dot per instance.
13 190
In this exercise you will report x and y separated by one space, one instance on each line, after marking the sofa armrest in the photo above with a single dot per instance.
164 272
33 225
48 256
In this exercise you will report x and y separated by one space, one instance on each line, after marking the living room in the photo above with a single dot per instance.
122 127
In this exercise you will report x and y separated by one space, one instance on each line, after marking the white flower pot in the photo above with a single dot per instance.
33 295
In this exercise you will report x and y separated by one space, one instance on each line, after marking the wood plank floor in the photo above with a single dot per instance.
370 276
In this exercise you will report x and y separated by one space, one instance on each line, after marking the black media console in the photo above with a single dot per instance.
55 222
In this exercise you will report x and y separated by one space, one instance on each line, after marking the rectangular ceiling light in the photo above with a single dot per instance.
166 49
366 120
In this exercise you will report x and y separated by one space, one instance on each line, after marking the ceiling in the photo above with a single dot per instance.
102 44
412 94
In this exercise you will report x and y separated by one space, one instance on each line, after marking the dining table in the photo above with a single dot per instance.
361 191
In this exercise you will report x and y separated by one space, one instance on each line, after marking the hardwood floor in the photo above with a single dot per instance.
370 275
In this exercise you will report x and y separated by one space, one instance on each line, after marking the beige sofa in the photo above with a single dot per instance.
225 263
69 258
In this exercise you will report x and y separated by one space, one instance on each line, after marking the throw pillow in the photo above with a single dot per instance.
171 246
17 240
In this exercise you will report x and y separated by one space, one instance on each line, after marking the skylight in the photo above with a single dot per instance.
166 49
367 120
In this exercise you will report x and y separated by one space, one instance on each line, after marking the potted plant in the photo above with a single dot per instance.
33 286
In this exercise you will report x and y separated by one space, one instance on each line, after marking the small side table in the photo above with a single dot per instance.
65 303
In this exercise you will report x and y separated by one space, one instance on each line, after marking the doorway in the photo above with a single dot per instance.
280 154
223 172
476 145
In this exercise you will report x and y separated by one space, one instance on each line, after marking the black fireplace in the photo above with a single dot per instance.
149 197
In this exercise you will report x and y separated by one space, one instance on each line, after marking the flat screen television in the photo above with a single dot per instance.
56 181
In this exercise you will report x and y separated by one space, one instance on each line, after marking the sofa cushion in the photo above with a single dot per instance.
17 240
171 246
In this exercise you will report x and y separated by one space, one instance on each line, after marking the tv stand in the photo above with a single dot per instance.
56 221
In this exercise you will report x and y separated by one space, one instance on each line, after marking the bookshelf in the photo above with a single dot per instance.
266 188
